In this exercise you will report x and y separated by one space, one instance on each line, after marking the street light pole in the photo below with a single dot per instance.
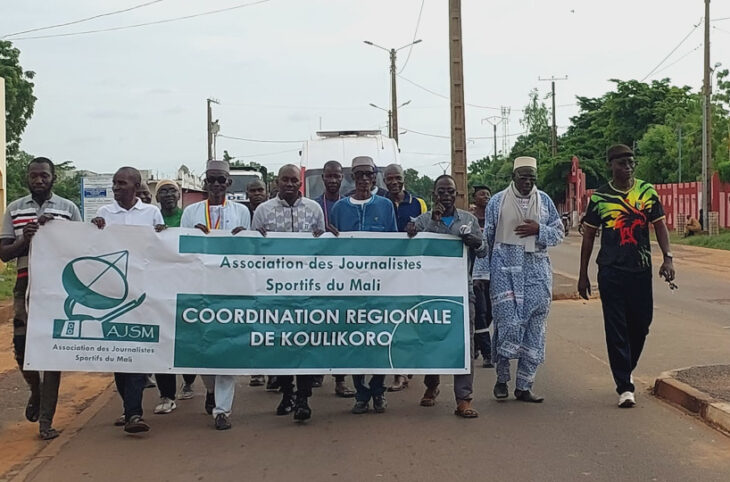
491 120
706 125
392 132
393 91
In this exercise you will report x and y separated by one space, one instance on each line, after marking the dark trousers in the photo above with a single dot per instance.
627 313
482 319
44 387
304 385
130 387
374 388
167 383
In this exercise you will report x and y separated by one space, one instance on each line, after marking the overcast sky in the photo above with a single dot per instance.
282 67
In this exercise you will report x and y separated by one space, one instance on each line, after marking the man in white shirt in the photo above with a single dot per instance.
217 213
128 209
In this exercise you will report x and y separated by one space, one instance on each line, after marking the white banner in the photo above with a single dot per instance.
127 299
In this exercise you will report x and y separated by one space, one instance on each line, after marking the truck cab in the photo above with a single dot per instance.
241 177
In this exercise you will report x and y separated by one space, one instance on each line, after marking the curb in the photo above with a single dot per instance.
712 411
55 446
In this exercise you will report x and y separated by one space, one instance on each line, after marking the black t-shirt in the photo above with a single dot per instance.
624 218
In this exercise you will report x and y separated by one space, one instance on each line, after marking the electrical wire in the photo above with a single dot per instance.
265 154
447 98
672 51
679 59
74 22
415 34
269 141
157 22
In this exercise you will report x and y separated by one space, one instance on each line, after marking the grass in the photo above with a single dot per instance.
7 281
721 241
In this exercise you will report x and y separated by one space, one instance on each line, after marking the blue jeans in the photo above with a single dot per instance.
375 388
130 387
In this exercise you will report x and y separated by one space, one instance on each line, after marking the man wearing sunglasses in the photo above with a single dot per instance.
364 211
521 222
624 208
217 213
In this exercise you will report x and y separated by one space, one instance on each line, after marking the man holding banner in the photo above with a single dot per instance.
290 212
21 222
217 213
128 209
445 218
364 211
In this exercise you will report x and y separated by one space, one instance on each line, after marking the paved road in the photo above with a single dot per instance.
577 434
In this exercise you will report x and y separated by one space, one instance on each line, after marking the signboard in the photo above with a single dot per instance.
127 299
96 191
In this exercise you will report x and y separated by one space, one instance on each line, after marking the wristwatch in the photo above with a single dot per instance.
668 254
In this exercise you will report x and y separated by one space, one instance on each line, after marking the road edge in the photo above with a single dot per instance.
68 434
713 412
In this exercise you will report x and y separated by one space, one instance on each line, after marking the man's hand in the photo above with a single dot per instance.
584 287
237 230
528 228
472 240
437 212
203 228
666 270
333 230
160 227
30 229
482 283
98 222
411 229
43 219
262 230
317 233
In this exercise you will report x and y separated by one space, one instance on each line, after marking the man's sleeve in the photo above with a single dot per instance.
482 250
422 203
422 221
592 217
552 232
158 219
318 218
186 220
245 217
335 215
75 213
656 211
258 219
392 224
8 231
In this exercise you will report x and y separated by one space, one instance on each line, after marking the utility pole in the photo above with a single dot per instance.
707 126
491 120
679 148
458 132
213 128
554 136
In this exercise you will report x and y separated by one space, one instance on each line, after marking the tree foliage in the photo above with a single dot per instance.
421 186
19 98
68 180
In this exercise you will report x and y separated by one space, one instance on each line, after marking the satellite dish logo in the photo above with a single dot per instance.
97 285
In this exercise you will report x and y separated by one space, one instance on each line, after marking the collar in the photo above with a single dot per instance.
367 201
50 200
284 203
116 208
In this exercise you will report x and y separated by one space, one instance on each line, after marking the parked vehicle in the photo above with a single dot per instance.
343 146
241 177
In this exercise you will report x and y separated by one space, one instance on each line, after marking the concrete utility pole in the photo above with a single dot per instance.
679 148
554 135
393 91
3 141
458 128
707 126
491 120
213 128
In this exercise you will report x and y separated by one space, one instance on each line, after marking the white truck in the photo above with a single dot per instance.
343 146
241 177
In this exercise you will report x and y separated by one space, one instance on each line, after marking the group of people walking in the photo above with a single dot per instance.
509 273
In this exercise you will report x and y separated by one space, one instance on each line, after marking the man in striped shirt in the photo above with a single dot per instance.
21 222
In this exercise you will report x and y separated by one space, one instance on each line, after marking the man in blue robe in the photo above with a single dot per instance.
521 222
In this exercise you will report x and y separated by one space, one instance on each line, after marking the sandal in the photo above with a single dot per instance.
465 410
429 397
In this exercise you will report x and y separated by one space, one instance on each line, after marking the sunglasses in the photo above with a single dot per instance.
218 179
363 174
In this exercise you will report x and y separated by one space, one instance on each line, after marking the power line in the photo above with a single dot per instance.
445 97
157 22
259 140
673 50
680 59
415 33
264 154
74 22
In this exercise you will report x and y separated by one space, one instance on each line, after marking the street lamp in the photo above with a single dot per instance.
393 96
390 116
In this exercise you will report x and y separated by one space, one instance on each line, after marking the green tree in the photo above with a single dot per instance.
535 142
19 98
421 186
68 179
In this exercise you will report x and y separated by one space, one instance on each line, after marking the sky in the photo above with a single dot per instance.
283 68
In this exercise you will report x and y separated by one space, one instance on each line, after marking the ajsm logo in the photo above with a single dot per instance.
98 293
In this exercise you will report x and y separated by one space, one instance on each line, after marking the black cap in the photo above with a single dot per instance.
618 151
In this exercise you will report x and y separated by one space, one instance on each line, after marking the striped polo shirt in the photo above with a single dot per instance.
25 210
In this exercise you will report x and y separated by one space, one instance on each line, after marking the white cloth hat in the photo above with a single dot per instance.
363 161
214 165
525 161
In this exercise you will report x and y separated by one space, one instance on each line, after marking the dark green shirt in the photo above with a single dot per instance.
173 220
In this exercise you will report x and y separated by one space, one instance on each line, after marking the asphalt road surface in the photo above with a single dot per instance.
577 434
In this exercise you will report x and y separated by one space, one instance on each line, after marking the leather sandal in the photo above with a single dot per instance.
465 410
429 397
